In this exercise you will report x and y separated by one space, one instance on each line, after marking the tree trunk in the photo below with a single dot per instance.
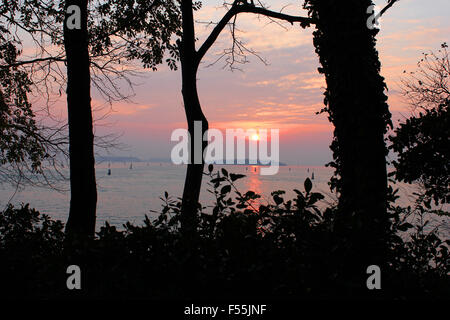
83 190
194 113
357 106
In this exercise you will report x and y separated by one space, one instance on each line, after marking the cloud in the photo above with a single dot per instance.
284 94
131 109
310 80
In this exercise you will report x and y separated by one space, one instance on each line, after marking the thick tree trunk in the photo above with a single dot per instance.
83 189
358 109
194 113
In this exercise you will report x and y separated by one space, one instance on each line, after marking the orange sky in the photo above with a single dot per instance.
284 94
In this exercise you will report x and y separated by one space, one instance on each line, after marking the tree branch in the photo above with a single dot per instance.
24 62
389 5
245 8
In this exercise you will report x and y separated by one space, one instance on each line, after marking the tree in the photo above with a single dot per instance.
146 30
356 103
422 141
27 149
190 60
103 37
83 190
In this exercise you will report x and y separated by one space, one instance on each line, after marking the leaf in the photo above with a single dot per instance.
216 180
308 185
224 172
278 200
225 189
235 177
299 194
314 197
405 226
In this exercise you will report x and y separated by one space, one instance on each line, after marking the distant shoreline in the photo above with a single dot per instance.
102 159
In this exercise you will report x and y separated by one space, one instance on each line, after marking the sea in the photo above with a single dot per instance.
133 190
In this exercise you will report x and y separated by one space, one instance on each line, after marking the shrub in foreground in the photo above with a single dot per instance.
244 249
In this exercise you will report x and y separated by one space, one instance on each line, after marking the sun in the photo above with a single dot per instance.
255 137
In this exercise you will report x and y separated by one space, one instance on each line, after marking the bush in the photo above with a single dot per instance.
283 249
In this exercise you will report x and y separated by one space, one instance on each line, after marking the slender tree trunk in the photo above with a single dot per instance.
83 189
357 106
194 113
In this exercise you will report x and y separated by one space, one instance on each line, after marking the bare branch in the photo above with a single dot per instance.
32 61
244 7
386 8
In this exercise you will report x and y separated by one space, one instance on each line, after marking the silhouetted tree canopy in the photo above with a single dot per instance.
422 142
120 31
23 143
99 53
19 141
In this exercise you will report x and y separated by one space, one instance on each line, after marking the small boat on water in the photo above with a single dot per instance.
109 172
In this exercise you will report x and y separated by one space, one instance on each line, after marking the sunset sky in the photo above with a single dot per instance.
284 94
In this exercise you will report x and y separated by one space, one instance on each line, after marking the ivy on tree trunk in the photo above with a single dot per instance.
357 106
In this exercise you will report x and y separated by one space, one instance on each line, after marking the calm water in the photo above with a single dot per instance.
128 194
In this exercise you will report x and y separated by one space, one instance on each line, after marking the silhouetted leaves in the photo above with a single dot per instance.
422 141
235 177
225 189
286 248
308 185
224 172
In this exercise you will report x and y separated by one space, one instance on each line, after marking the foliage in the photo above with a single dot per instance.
146 26
423 147
244 248
422 141
31 247
119 31
20 142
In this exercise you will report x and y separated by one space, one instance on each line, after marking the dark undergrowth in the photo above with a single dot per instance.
288 249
